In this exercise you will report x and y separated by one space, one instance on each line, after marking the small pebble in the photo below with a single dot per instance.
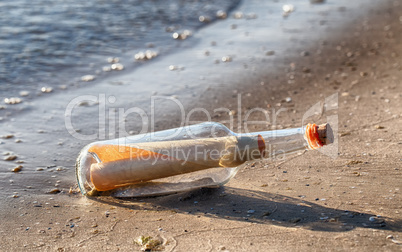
238 15
221 14
251 211
113 60
226 59
88 78
54 191
24 93
288 99
117 67
12 100
173 67
181 36
7 136
147 55
46 89
17 169
204 19
10 158
288 8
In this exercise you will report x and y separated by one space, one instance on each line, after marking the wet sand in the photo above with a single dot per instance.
307 201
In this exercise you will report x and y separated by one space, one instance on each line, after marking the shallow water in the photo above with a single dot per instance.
50 43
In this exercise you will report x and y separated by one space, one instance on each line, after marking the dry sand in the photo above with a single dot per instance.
304 202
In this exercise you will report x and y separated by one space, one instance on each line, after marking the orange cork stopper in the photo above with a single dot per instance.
312 136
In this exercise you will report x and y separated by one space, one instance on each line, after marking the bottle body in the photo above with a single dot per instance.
202 155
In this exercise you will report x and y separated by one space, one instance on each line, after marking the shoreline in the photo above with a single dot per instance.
350 189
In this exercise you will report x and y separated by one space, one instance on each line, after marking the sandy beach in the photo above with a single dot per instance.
346 198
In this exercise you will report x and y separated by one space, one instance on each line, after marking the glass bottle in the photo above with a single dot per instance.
201 155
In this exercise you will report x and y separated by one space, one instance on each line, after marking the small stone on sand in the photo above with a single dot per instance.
204 19
54 191
113 60
24 93
117 67
7 136
221 14
12 100
88 77
288 8
147 55
238 15
226 59
181 36
173 67
17 169
46 89
10 158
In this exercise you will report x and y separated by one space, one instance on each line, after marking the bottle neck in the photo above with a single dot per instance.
275 143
